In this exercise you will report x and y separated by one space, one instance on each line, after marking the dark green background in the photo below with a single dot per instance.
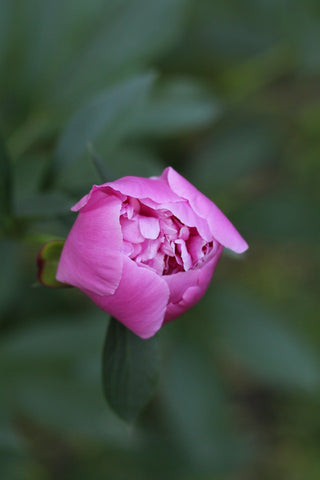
228 93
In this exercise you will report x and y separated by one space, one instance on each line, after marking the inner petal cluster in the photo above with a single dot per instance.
158 240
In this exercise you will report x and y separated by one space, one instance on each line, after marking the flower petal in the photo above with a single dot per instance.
139 302
222 229
185 214
93 195
130 230
149 227
180 283
190 297
91 257
185 255
154 188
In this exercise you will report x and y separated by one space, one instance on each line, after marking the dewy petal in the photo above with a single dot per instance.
222 229
149 227
179 283
139 302
91 258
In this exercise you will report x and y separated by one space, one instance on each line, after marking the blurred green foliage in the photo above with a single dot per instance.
226 92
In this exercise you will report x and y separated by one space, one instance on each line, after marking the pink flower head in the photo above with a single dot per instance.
144 249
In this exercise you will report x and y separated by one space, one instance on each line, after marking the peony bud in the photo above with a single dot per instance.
145 249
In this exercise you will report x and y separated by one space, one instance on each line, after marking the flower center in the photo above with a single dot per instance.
158 240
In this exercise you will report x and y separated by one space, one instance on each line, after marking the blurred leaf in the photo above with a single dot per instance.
43 205
221 34
10 271
38 127
50 372
281 216
198 413
126 38
103 172
257 72
18 466
233 152
5 17
48 260
136 161
233 38
309 122
44 229
177 107
309 53
55 339
51 33
28 173
130 370
105 113
78 177
9 440
5 183
124 160
261 343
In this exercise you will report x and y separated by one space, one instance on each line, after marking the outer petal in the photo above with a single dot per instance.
139 302
91 258
94 194
187 288
222 229
154 188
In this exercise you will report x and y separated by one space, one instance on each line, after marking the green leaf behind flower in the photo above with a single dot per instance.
130 370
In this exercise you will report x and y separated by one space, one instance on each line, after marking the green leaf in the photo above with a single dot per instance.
5 183
48 259
130 370
110 112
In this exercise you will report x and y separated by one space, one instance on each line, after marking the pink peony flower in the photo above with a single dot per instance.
144 249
